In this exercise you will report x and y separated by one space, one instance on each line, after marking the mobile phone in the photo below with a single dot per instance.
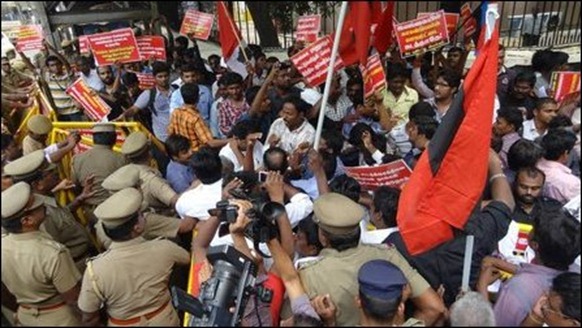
262 176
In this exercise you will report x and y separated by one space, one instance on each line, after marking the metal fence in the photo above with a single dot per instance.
557 23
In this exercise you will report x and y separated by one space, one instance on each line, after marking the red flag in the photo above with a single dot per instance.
347 48
227 31
361 22
376 12
383 33
448 180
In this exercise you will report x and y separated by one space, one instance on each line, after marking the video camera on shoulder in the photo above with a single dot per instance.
231 283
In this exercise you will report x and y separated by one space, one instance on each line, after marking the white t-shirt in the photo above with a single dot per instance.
196 202
229 154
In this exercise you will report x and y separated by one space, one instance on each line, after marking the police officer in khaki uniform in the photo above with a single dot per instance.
60 222
37 270
100 161
39 126
338 219
131 278
157 192
156 225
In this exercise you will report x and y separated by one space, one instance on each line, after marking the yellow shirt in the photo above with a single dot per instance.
402 105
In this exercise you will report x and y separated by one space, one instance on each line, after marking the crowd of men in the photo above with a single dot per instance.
338 257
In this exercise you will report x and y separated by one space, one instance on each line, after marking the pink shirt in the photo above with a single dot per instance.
560 184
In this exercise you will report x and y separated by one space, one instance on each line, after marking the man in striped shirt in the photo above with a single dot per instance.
58 79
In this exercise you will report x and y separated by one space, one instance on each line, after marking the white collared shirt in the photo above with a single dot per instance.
374 237
289 140
529 130
196 202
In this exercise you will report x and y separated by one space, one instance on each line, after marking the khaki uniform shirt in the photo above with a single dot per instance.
132 276
62 226
30 145
37 269
343 267
157 192
100 161
155 226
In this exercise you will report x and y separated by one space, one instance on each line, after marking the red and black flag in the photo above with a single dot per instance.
448 180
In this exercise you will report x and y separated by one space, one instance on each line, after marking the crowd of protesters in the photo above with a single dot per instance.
338 258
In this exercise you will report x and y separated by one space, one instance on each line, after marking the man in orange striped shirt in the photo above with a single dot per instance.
188 122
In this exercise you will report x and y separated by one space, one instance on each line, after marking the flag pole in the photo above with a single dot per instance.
238 39
467 260
330 68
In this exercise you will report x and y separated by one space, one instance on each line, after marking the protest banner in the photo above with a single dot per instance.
422 34
471 26
110 47
152 46
146 80
84 47
374 76
564 84
308 28
394 174
312 62
451 18
29 37
197 23
94 106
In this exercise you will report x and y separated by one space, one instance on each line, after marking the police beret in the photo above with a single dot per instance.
39 124
119 208
134 144
103 127
381 279
28 165
17 199
336 213
125 177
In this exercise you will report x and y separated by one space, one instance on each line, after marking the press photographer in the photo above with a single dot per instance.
271 222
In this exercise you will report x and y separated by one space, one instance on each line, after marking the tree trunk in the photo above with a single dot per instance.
263 24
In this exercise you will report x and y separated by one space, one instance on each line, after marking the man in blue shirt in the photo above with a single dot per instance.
179 174
189 74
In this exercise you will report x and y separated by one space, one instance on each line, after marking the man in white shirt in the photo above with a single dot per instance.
244 144
292 128
89 76
546 109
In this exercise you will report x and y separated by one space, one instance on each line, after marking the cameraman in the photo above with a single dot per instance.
264 307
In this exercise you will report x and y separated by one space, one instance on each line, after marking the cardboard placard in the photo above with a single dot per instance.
84 47
471 26
152 46
564 84
313 61
197 23
110 47
308 28
146 80
451 18
29 37
95 107
374 76
422 34
394 174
